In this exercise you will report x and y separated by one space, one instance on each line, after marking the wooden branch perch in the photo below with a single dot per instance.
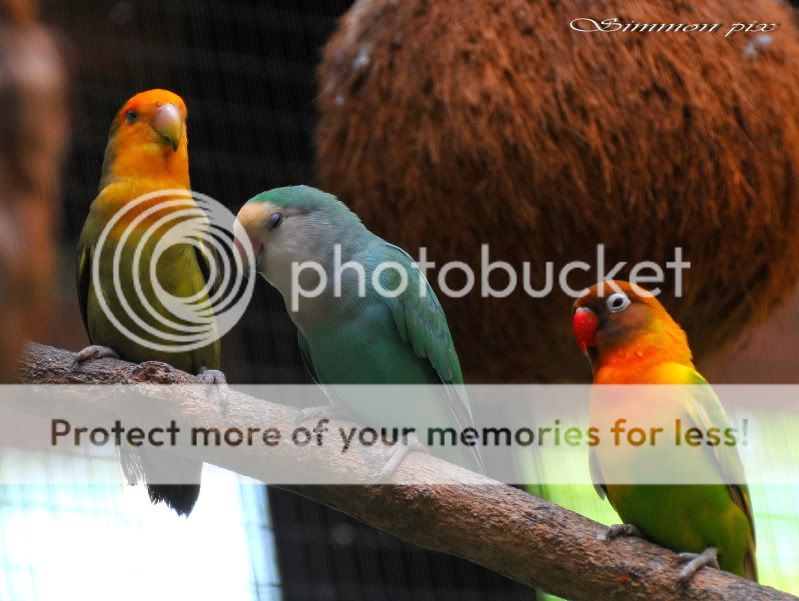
522 537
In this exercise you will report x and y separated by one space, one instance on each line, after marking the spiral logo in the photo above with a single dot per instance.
151 289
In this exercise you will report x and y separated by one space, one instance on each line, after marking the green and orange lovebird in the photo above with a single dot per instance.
147 154
630 339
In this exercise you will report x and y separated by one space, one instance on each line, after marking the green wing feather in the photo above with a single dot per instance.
706 411
208 255
422 324
419 318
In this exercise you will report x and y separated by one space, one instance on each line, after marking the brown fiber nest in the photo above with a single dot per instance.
451 123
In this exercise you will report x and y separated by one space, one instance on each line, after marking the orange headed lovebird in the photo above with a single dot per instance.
147 153
630 338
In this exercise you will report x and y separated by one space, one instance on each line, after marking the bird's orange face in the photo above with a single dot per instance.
616 317
152 117
148 137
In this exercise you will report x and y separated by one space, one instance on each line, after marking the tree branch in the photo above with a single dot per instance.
522 537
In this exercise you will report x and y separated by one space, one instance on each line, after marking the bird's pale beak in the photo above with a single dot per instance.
168 123
585 324
245 246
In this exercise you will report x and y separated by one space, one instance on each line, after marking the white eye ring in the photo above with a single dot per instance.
618 301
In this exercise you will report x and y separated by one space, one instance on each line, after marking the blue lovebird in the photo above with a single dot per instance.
361 335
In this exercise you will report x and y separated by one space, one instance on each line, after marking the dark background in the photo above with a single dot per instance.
246 72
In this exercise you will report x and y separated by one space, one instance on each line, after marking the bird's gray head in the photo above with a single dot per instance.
293 225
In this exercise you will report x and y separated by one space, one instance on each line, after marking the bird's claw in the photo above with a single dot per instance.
218 388
331 411
92 352
695 562
619 530
397 455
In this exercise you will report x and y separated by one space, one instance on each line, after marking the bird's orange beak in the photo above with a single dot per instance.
168 123
585 324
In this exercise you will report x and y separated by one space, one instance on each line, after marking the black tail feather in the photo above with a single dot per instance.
180 497
148 465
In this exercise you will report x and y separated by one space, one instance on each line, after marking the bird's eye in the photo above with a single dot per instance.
131 116
618 301
275 220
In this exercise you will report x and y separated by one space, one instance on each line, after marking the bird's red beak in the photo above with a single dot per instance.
585 324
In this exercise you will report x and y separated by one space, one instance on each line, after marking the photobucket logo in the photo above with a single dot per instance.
150 241
648 275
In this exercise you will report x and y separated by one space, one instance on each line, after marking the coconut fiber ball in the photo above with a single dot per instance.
449 124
